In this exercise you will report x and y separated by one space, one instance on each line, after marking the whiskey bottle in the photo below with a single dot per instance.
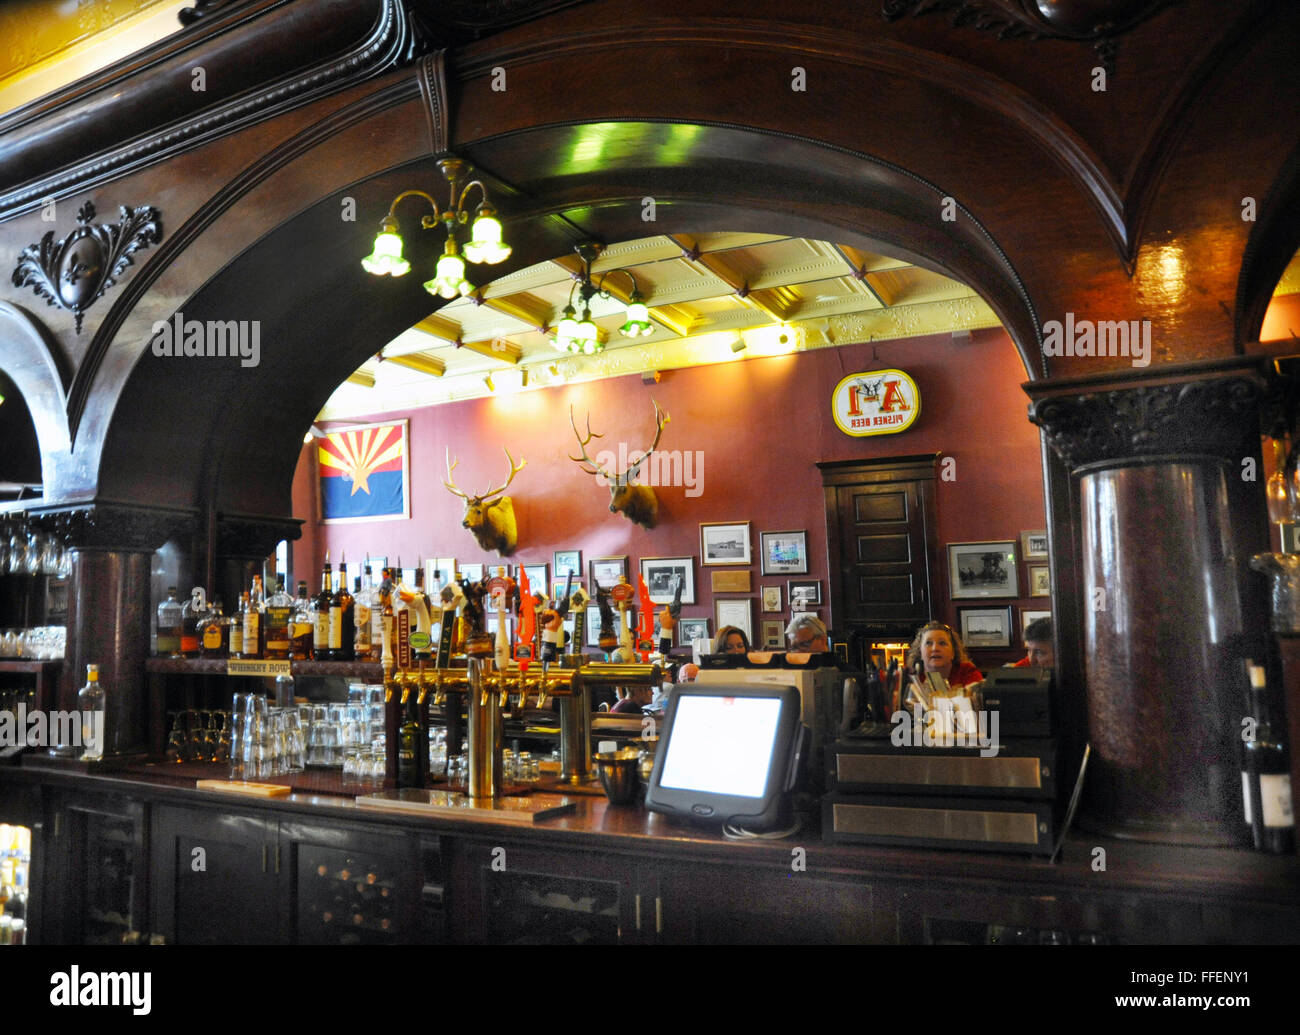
213 642
169 626
362 617
193 611
342 629
252 617
302 626
321 610
279 616
236 626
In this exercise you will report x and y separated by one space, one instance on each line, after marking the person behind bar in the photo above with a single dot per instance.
938 648
1039 652
637 698
732 640
806 634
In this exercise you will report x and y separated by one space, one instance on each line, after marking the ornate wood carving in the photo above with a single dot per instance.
114 526
76 271
250 536
1095 21
1200 418
190 15
433 91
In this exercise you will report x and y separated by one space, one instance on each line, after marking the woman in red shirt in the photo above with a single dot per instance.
938 648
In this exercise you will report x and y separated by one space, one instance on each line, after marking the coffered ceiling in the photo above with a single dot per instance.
713 298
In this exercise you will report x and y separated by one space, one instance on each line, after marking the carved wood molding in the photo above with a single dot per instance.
253 537
74 273
114 526
433 91
1098 22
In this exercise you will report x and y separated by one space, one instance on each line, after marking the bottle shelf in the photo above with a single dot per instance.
30 665
369 670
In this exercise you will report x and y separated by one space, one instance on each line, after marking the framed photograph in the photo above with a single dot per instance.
772 599
1033 546
724 542
691 629
445 565
784 553
1040 580
662 574
805 594
985 626
982 570
736 612
773 635
362 473
1027 616
472 572
557 587
567 561
606 571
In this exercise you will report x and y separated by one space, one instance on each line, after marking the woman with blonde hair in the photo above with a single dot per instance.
940 650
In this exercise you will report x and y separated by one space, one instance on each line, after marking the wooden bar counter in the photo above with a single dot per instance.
143 850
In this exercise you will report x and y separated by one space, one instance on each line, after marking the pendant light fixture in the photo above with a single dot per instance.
574 335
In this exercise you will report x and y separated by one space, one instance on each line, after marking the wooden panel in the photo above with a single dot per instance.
892 589
880 506
884 549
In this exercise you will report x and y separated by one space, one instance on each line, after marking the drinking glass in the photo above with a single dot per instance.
177 741
294 744
238 736
196 751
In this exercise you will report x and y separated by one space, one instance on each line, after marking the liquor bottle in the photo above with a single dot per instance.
1266 778
362 617
342 630
321 609
279 616
90 702
252 617
169 626
408 773
212 632
236 627
303 624
193 611
385 609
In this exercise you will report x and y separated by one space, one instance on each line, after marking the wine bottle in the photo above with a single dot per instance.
1266 776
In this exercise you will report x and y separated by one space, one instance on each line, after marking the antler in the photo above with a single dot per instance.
582 444
449 484
514 470
661 419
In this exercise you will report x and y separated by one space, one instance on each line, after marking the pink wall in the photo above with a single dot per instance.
761 425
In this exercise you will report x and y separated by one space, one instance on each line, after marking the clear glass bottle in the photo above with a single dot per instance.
303 625
193 611
362 616
90 702
252 617
169 626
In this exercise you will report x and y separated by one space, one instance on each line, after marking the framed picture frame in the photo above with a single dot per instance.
593 624
1033 546
661 575
363 473
982 569
691 629
1040 580
739 613
557 587
724 542
606 571
805 594
784 553
538 580
446 565
771 600
1027 616
472 572
773 635
985 626
566 561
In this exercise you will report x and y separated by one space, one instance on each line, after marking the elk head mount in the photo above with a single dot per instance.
491 519
637 503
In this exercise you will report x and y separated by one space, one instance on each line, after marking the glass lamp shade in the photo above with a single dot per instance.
449 277
587 336
638 319
566 331
387 256
486 245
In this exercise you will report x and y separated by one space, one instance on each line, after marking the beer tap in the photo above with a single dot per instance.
524 635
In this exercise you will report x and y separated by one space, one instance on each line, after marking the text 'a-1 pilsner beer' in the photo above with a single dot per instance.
1266 778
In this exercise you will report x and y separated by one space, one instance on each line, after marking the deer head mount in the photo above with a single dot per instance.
491 519
637 503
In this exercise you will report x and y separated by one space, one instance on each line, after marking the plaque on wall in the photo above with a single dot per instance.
731 582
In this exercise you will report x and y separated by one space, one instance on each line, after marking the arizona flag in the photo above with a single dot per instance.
363 473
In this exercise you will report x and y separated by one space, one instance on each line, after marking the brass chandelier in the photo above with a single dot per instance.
574 335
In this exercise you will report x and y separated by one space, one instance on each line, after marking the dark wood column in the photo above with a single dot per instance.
109 604
1167 512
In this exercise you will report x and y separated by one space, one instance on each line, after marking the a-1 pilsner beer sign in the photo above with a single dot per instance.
877 402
